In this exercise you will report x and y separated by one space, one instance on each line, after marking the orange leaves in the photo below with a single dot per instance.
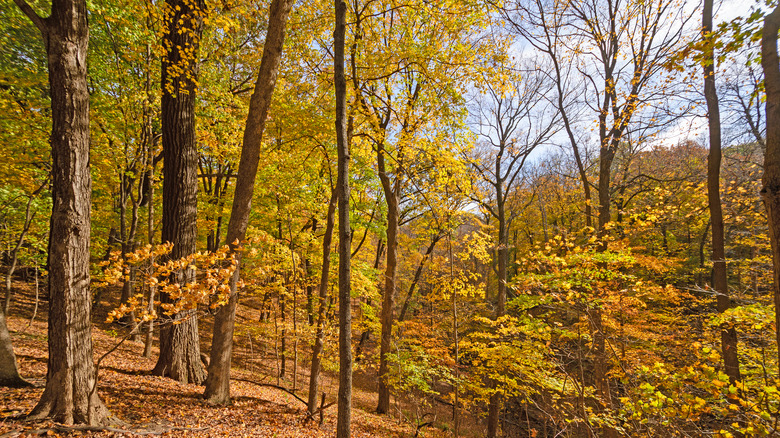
212 270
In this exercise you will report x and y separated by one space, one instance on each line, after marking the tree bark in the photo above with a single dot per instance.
319 340
344 418
770 191
179 342
9 373
70 376
218 382
728 335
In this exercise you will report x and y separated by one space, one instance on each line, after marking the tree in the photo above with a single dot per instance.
9 373
344 420
720 279
618 50
770 192
514 121
218 382
70 379
179 341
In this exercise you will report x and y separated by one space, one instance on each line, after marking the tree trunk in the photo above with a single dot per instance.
494 408
179 342
388 296
70 376
344 419
770 191
9 373
319 340
728 335
218 382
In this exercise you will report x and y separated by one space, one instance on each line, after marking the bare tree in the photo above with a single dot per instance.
514 120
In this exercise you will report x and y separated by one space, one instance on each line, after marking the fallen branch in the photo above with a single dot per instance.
270 385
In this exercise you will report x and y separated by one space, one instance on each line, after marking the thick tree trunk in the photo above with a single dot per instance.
319 340
9 373
70 376
771 180
388 296
180 343
344 419
728 335
218 382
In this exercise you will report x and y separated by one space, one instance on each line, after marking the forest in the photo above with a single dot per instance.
376 218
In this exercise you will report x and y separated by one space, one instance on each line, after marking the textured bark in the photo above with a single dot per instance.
319 340
728 335
771 180
218 382
391 191
70 375
180 343
9 373
344 419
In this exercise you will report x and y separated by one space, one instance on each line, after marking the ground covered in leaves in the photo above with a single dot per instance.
164 407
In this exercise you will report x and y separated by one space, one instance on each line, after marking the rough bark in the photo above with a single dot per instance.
70 376
319 340
344 419
770 191
179 342
728 335
218 382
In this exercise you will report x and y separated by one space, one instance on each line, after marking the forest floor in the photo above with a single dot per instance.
147 403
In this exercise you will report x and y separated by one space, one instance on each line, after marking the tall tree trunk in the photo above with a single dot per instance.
70 375
344 419
494 408
179 342
218 382
319 340
728 335
391 190
771 180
